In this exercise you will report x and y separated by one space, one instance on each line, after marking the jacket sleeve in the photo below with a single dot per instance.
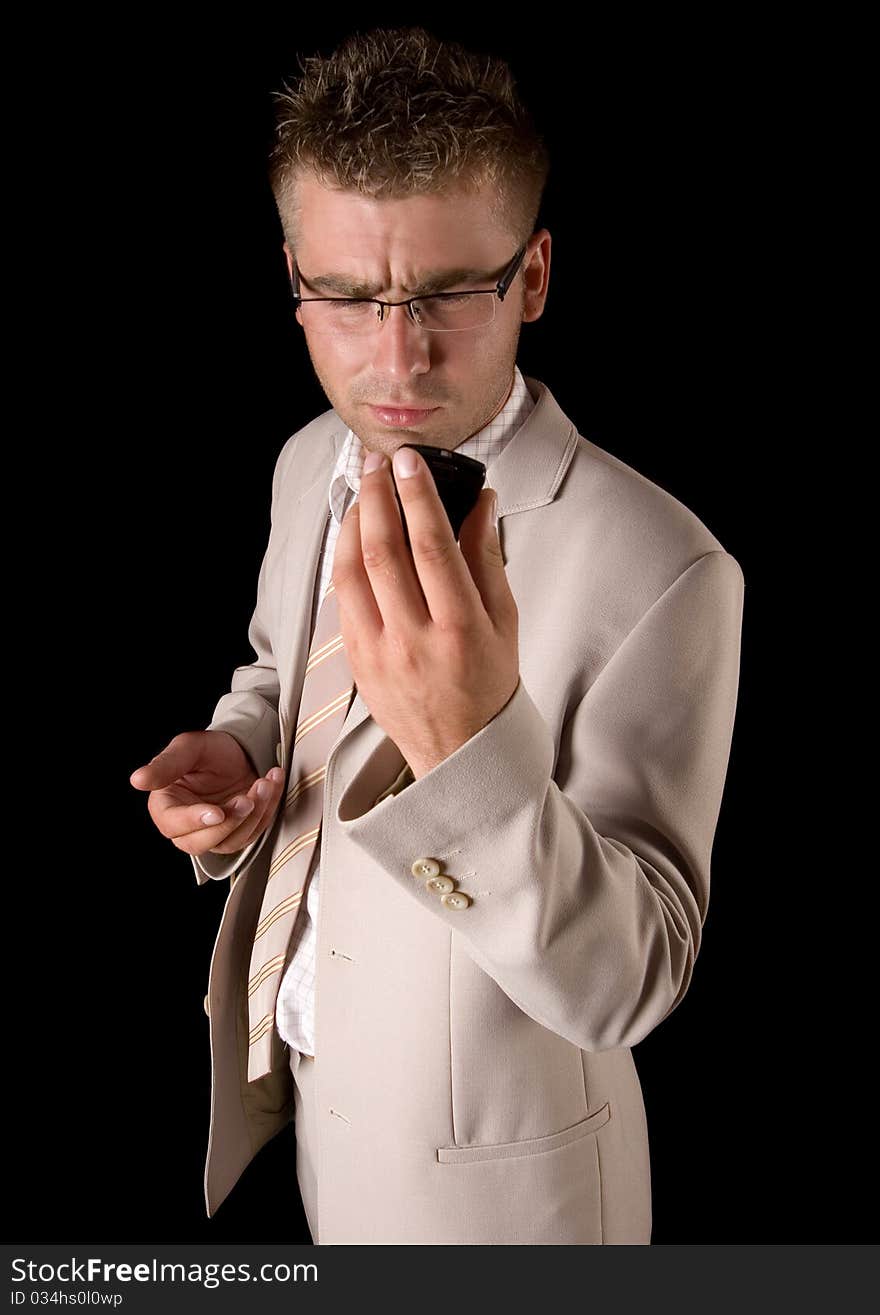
588 892
249 712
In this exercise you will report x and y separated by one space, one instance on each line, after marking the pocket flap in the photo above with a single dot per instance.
532 1146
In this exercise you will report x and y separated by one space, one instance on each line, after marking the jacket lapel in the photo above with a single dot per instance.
301 562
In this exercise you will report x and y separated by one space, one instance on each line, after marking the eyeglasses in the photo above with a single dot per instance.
438 312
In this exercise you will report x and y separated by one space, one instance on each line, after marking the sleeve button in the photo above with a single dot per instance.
440 885
455 899
425 867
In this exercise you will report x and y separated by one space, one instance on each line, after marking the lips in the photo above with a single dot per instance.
399 417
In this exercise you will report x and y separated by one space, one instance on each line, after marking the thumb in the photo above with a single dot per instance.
492 516
481 548
479 524
485 533
175 760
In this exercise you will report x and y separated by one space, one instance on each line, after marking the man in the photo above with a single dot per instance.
526 733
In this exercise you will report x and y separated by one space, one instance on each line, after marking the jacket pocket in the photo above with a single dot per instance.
532 1146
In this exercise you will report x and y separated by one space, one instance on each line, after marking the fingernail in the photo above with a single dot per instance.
211 817
406 462
242 807
372 461
495 510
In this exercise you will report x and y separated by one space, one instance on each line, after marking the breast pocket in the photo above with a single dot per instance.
532 1146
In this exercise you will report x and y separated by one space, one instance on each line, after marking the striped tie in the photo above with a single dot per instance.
326 696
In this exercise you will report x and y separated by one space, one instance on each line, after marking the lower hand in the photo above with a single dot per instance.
207 774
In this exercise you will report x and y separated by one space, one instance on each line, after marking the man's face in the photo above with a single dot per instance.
390 246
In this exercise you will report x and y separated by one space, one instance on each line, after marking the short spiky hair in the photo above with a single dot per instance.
398 112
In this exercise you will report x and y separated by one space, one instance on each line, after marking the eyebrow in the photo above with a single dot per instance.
433 280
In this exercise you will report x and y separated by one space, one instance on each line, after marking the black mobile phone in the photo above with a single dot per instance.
458 479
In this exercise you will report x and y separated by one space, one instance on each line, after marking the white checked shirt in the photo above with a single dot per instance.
295 1006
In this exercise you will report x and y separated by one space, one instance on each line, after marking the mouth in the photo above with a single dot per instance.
398 417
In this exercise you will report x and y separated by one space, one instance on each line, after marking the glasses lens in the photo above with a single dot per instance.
345 317
445 314
466 310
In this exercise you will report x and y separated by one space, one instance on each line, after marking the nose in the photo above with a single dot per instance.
401 348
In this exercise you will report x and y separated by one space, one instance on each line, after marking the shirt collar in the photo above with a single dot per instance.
484 446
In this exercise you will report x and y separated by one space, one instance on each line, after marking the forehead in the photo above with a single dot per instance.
354 244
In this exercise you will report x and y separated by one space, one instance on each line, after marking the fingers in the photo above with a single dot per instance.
443 574
354 596
188 832
265 793
386 559
441 584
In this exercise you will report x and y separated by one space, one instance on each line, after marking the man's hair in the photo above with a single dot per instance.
398 112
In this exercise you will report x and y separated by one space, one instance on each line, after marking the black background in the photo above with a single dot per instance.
175 372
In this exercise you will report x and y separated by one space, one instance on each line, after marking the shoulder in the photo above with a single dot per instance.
309 452
617 542
638 522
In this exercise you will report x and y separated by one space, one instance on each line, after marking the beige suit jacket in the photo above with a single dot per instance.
474 1074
